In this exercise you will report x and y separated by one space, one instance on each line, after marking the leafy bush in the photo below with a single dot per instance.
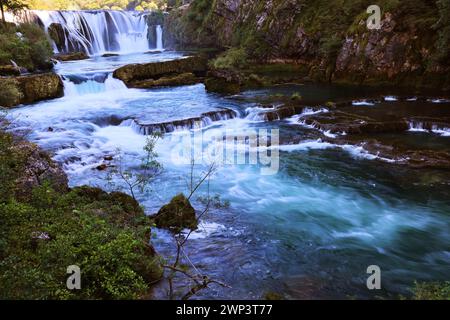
104 234
234 58
27 45
432 291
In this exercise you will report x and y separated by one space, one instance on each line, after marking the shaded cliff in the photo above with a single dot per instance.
330 38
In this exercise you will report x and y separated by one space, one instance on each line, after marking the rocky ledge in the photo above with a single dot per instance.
71 56
30 88
176 72
37 169
380 134
39 87
201 121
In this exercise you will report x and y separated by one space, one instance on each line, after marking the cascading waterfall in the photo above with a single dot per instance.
159 41
101 31
92 86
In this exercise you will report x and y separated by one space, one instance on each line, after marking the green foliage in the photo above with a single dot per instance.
132 180
10 94
432 291
104 234
443 27
27 45
234 58
138 5
296 96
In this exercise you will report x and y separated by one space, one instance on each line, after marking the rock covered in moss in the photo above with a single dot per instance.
72 56
39 87
38 168
10 94
177 215
182 79
132 73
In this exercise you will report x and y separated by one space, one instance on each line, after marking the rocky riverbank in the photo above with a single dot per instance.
46 227
331 42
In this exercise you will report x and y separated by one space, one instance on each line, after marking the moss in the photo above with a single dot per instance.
10 94
106 235
234 58
27 45
432 291
221 85
177 215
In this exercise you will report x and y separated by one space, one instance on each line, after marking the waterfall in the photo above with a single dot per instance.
92 86
98 32
159 41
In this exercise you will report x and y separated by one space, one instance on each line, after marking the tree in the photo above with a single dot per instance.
12 5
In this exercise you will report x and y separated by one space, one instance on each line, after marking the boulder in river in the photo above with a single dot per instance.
177 215
71 56
133 74
39 87
182 79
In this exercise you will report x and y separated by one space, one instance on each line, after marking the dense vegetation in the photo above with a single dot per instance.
27 45
46 231
98 4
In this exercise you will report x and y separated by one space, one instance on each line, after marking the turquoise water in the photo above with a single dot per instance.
308 231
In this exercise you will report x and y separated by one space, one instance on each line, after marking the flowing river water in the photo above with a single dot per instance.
308 231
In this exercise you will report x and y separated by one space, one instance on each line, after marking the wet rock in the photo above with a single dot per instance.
282 112
133 73
39 87
61 37
106 55
71 56
343 122
102 167
38 168
177 215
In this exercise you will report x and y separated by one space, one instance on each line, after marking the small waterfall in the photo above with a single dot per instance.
159 41
92 86
438 128
97 32
200 122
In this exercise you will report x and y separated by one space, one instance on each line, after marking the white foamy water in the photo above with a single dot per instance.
102 31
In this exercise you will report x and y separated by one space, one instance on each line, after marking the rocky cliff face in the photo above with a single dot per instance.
329 37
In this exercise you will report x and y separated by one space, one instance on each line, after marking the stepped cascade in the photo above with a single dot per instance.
99 31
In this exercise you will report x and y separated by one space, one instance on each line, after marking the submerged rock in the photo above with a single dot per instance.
177 215
106 55
343 122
